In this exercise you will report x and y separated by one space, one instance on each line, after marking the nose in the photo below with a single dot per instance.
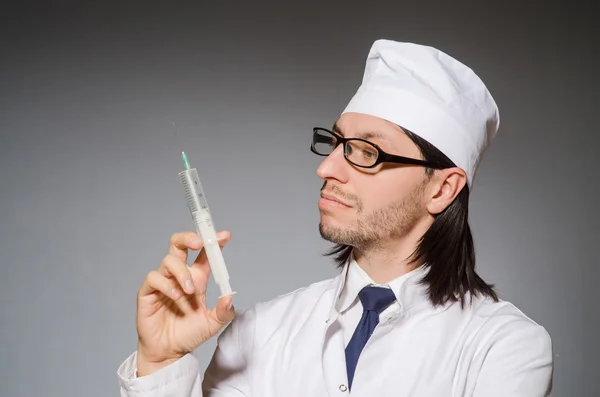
334 166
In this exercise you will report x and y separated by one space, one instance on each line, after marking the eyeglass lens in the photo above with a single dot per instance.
357 152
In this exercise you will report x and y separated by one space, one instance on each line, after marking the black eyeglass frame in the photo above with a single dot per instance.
382 156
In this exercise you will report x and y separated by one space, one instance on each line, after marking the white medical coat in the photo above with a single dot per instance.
294 346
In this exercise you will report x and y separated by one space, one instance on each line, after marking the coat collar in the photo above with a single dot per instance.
407 288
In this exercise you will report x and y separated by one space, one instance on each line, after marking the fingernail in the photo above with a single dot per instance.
196 241
175 293
189 286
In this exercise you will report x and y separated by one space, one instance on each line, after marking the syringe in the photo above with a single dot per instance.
204 225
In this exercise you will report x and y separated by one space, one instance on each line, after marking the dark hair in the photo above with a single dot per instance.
447 247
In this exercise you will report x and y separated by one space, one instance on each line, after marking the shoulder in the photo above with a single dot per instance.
505 331
265 327
297 303
510 351
290 306
503 318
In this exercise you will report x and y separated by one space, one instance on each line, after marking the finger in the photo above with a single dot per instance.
171 265
222 314
169 288
201 261
154 281
200 279
181 242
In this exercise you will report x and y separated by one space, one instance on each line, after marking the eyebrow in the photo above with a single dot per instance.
367 135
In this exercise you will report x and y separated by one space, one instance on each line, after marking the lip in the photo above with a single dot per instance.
334 199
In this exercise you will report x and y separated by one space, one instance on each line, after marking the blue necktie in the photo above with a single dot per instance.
374 300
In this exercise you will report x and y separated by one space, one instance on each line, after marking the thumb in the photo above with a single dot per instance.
224 312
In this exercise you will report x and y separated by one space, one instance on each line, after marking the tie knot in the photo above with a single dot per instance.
376 298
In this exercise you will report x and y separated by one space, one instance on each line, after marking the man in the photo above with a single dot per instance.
407 315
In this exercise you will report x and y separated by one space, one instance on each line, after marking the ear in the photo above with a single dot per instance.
445 186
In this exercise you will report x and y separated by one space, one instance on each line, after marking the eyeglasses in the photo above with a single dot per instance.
359 152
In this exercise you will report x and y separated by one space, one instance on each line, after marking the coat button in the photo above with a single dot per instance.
343 388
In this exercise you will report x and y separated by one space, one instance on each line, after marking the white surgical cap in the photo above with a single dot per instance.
431 94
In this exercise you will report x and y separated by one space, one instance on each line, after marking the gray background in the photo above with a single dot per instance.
89 192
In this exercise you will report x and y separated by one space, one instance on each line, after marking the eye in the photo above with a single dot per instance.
369 154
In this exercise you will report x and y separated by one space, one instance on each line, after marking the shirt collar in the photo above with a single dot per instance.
407 288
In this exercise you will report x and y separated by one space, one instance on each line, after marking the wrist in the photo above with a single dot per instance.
146 367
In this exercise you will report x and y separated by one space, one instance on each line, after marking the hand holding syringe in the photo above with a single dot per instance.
204 225
172 316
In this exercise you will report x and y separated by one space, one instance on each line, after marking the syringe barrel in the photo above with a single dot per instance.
204 227
193 190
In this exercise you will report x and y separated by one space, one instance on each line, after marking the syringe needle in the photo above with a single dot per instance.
179 144
186 163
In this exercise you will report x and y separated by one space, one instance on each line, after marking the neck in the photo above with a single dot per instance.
390 259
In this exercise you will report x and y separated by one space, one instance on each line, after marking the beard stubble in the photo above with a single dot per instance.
370 229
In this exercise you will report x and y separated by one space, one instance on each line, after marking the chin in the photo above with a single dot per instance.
327 233
327 222
332 233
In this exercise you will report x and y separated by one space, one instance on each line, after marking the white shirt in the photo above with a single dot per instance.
293 346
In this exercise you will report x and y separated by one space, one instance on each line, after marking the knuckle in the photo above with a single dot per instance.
152 276
173 262
180 237
175 266
163 268
168 260
174 238
164 259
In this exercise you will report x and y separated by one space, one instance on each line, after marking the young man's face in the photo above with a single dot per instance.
366 207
